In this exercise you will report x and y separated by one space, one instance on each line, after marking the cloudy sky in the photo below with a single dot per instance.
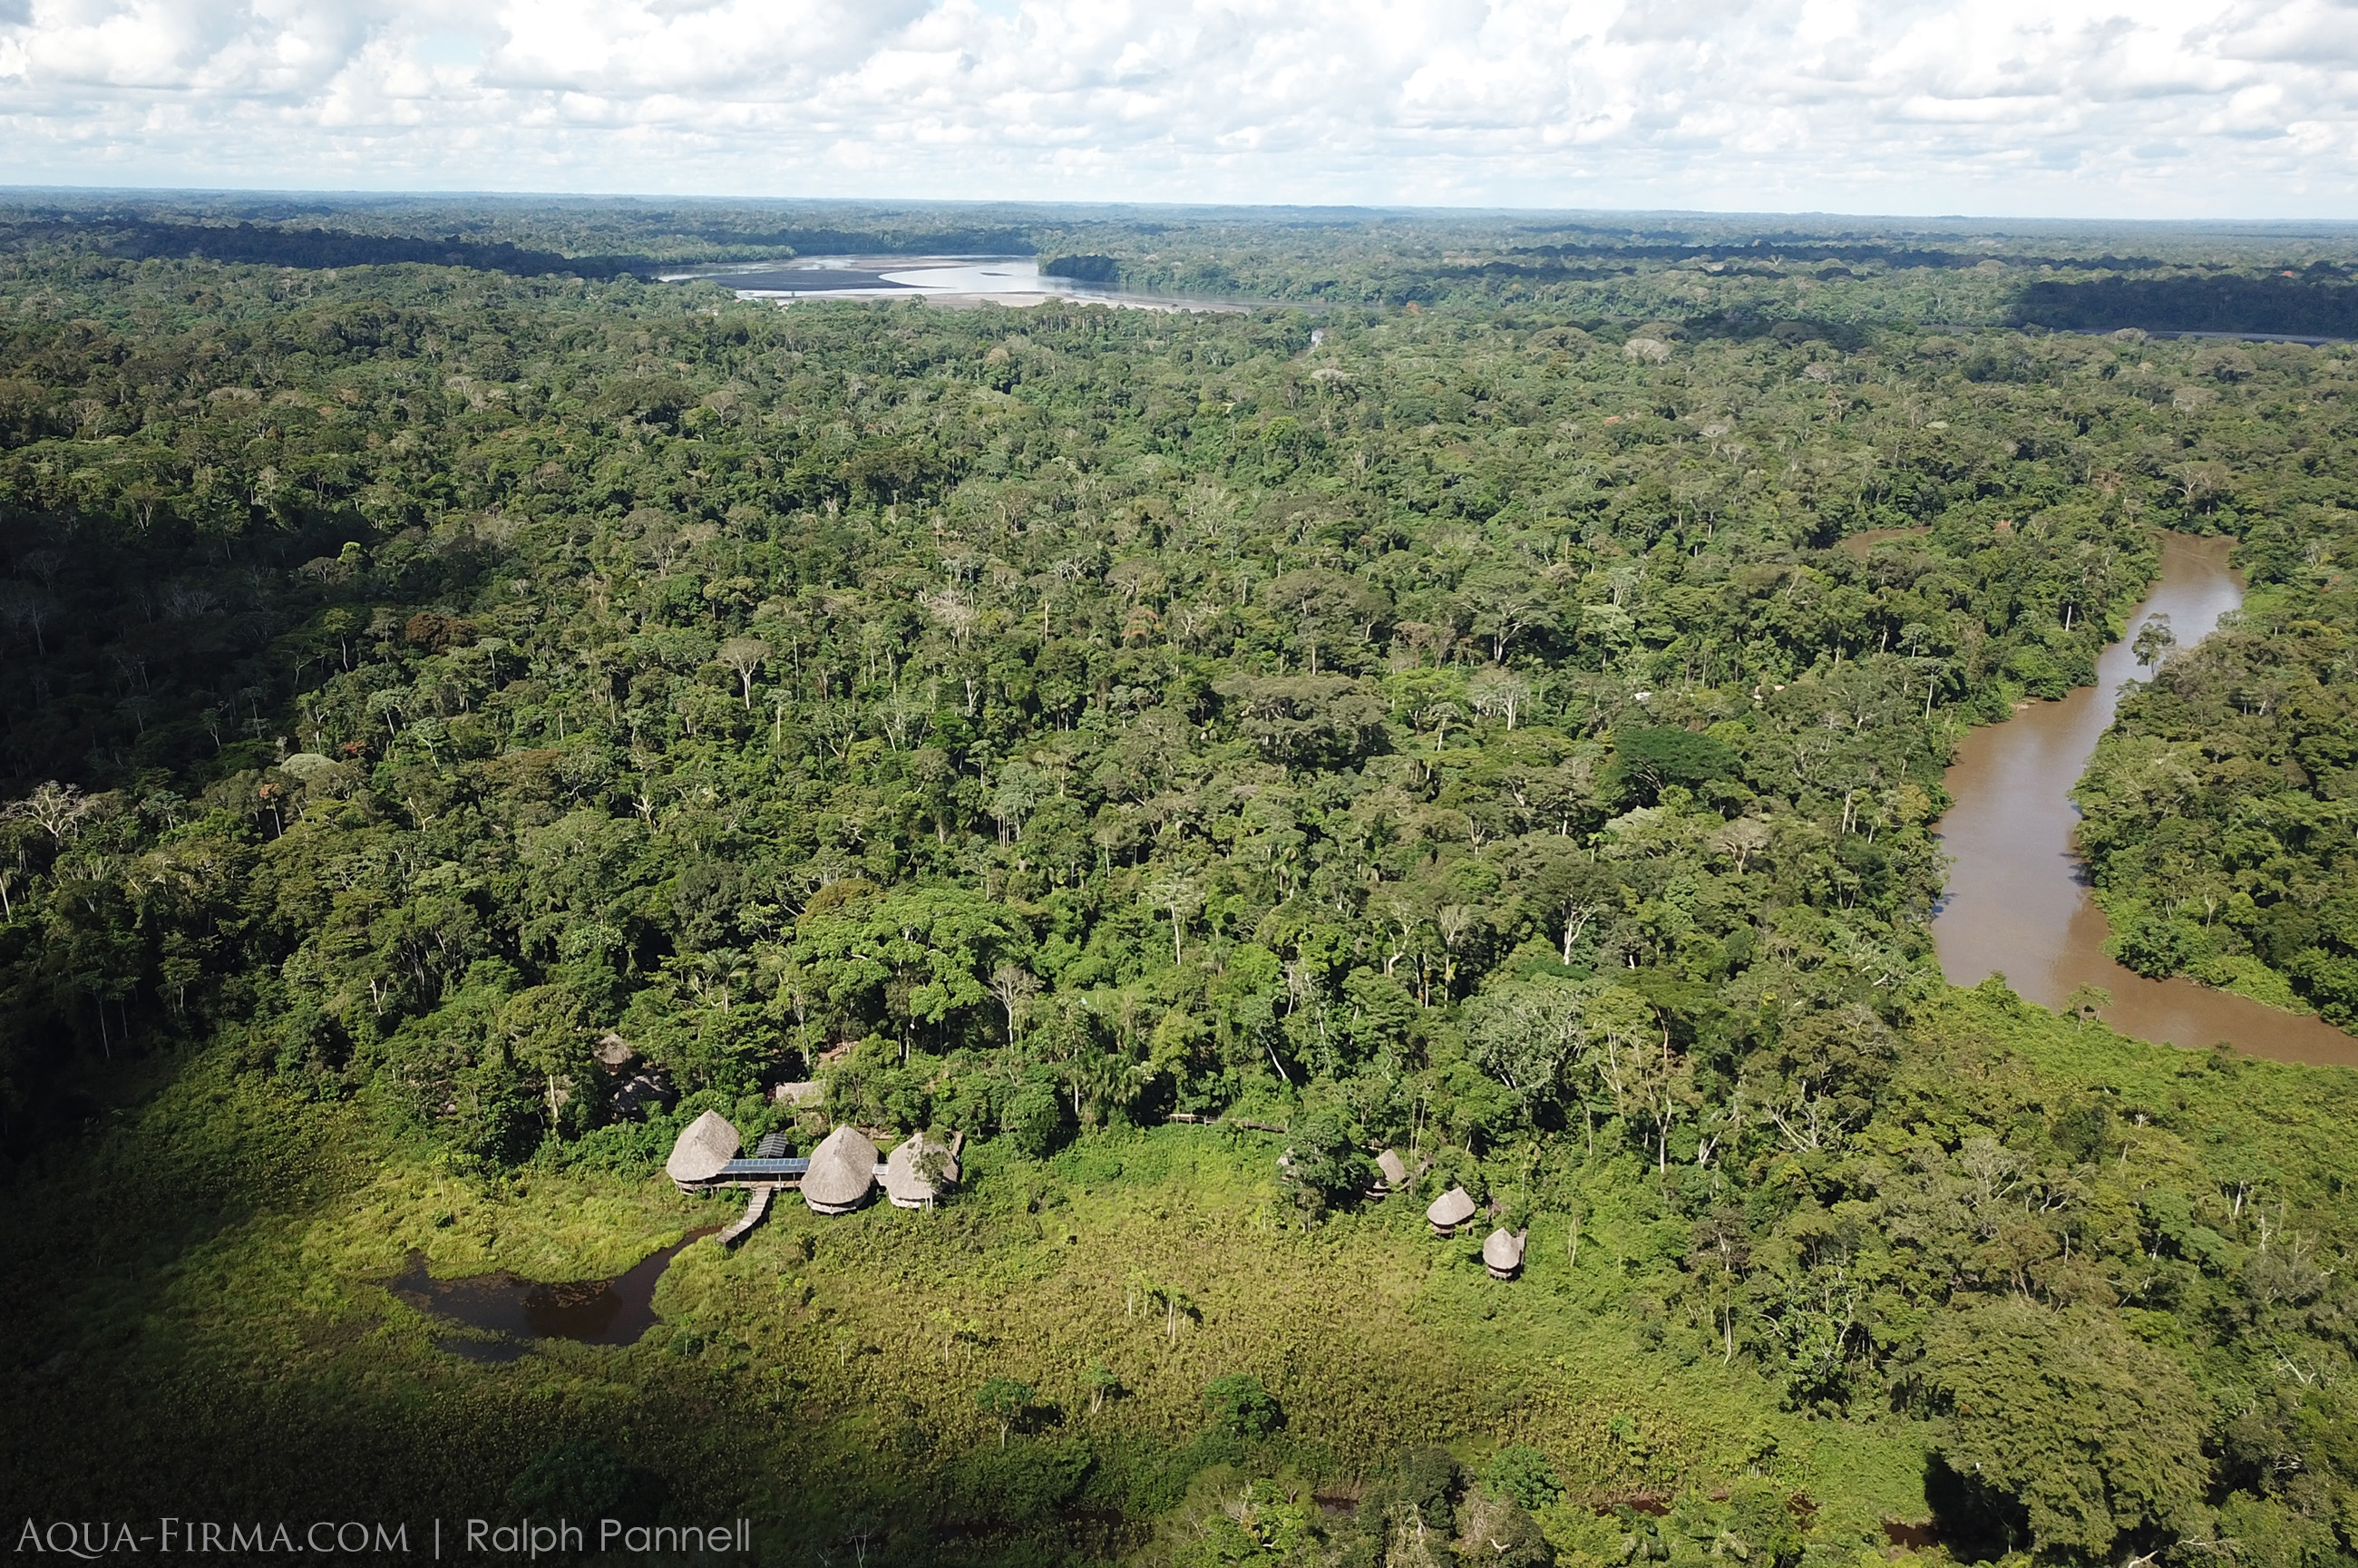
2232 108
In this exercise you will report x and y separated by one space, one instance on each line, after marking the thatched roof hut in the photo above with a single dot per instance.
842 1172
1391 1169
1502 1254
907 1184
705 1145
802 1092
613 1053
1450 1210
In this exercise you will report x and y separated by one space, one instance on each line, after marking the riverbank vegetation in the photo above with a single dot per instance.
2219 809
1501 731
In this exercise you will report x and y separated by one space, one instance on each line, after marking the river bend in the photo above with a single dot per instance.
2019 901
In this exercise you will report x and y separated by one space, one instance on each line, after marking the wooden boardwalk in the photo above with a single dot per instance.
735 1229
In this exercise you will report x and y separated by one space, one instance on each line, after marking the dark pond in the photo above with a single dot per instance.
514 1311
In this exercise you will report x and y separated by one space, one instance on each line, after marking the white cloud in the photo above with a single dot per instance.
2058 106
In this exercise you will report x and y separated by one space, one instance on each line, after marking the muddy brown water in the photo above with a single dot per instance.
516 1310
2017 902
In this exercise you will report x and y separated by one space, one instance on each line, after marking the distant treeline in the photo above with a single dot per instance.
135 240
916 240
1082 269
140 240
1808 253
2319 302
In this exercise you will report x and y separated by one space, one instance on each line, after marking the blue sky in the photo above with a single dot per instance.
2064 108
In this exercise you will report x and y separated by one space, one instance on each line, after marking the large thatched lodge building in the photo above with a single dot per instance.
836 1177
844 1171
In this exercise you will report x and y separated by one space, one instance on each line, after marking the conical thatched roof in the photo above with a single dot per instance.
705 1145
1393 1169
614 1052
842 1170
906 1185
1502 1254
1450 1209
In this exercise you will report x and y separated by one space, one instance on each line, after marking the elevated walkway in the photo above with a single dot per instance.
835 1178
755 1212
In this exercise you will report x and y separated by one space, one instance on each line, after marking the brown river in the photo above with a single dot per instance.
2018 898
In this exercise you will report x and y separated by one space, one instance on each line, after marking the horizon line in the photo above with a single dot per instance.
356 194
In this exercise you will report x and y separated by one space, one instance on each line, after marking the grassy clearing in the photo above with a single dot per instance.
211 1265
224 1251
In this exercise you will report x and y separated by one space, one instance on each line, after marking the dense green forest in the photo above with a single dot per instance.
1751 273
1497 719
2221 807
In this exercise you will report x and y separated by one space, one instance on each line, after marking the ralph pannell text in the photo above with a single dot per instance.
92 1540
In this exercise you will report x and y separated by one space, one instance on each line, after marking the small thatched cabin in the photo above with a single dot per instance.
1450 1210
1502 1254
705 1145
906 1180
1392 1175
842 1173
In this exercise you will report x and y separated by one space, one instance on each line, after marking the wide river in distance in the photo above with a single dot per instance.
2017 899
940 280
